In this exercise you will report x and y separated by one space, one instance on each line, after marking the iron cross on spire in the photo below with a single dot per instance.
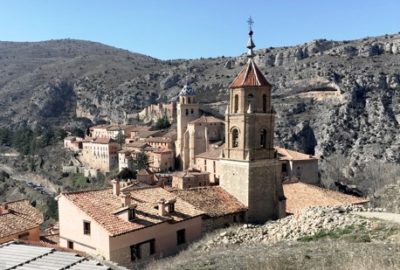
250 23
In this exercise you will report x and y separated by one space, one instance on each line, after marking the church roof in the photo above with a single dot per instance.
187 90
250 75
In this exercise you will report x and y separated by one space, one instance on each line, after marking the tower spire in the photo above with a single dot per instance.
250 44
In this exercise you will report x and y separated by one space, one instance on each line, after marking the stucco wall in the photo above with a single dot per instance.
164 235
71 229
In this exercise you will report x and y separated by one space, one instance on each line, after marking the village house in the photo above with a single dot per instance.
128 224
73 143
298 166
221 208
165 143
111 131
125 160
100 154
190 179
161 160
209 162
19 220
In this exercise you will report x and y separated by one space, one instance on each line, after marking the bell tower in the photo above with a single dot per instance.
250 170
187 111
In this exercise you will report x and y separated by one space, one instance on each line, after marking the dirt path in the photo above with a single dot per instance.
380 215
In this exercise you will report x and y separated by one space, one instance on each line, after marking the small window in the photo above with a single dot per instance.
236 104
284 168
131 214
235 138
70 244
264 103
143 250
181 237
189 100
86 227
187 111
191 111
263 138
24 236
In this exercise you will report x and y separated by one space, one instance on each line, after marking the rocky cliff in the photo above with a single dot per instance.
332 97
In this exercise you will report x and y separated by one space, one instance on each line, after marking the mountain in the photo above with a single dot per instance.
338 99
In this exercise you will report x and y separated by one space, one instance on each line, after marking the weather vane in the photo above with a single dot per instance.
250 22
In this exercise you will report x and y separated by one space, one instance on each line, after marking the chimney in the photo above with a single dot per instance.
125 199
171 205
116 187
161 207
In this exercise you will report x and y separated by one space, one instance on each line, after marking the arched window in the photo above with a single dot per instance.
236 104
263 138
250 99
235 138
264 103
188 100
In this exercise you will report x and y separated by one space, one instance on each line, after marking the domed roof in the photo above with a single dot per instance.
187 90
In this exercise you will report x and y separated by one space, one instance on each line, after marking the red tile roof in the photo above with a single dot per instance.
214 200
207 119
101 204
301 195
214 153
250 75
286 154
21 216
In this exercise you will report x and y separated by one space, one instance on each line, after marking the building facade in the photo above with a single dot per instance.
250 170
127 225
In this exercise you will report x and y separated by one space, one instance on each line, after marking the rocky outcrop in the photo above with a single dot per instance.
292 228
331 97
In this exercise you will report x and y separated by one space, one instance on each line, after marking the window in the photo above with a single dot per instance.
143 250
86 227
188 100
236 104
191 111
131 214
263 138
235 138
250 99
205 165
24 236
284 168
70 244
264 103
181 237
187 111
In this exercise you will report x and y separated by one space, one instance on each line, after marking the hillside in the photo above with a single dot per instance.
317 238
338 99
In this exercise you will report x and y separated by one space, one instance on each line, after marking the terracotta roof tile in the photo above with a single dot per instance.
21 216
250 75
301 195
214 201
286 154
207 119
159 139
214 153
101 204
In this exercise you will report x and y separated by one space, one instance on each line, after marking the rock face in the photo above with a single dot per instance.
331 97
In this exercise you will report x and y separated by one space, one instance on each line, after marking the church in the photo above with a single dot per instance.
249 168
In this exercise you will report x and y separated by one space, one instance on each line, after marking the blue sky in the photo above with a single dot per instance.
170 29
